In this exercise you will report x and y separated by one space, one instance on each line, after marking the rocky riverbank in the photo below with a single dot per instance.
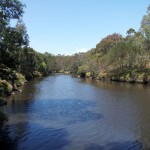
10 80
126 75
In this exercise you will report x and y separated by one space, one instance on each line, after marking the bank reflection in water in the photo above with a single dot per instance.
63 112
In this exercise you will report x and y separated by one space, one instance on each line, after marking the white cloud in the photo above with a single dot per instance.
82 50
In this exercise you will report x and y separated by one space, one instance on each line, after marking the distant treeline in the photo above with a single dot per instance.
115 57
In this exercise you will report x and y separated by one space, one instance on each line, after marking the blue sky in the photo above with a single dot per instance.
69 26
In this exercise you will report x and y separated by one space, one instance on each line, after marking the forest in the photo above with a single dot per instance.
115 57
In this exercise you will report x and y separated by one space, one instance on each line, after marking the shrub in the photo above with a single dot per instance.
2 101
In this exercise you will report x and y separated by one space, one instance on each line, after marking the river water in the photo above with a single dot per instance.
61 112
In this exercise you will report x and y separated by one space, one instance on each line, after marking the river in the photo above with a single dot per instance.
61 112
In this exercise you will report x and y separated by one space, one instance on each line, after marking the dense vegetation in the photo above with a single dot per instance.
18 62
115 57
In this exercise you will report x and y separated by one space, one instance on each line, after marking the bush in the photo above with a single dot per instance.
5 72
20 79
37 74
82 71
2 101
5 88
88 74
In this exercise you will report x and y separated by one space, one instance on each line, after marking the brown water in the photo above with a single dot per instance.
61 112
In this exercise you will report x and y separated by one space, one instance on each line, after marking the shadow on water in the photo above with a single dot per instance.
30 122
6 142
55 139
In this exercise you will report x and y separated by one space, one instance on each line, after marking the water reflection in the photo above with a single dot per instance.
54 139
62 112
111 85
129 145
7 142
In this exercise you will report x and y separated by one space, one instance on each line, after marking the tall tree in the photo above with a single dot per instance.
145 28
108 42
11 38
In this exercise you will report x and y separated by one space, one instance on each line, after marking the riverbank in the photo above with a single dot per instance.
10 80
129 75
141 75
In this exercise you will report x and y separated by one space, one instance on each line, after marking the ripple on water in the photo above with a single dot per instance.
65 113
69 110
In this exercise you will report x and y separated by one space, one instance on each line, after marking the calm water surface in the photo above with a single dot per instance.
61 112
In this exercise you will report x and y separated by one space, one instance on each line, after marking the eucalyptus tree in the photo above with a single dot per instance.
11 38
145 28
108 42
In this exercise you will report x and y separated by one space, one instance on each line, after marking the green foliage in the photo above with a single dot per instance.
145 28
6 88
37 74
131 32
88 74
82 71
130 75
5 72
11 9
28 60
11 38
50 60
118 53
2 101
108 42
19 79
34 64
43 68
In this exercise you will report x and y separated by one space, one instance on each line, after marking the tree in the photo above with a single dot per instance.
131 32
21 29
108 42
43 68
28 61
50 61
145 28
123 55
11 38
